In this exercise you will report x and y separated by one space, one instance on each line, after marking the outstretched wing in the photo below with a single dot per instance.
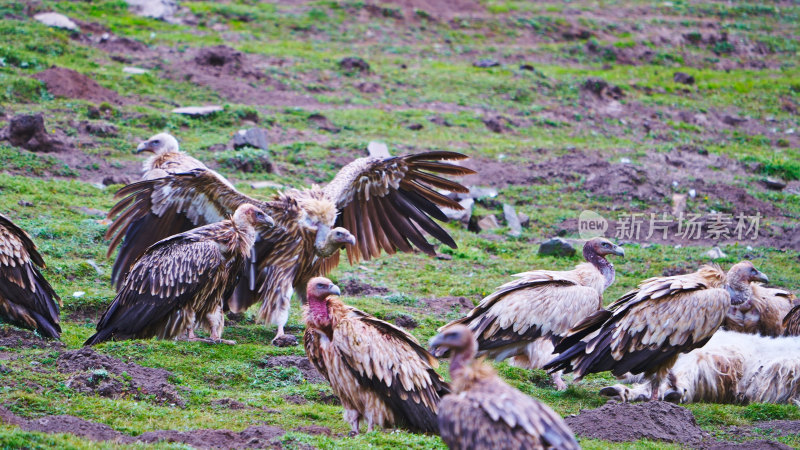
168 277
151 210
391 362
388 203
26 298
539 304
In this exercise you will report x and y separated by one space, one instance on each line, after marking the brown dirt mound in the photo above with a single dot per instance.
314 430
131 379
440 9
63 424
357 288
440 306
16 338
260 436
309 372
625 422
68 83
760 444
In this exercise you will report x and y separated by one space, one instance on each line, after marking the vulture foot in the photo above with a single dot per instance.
284 340
559 382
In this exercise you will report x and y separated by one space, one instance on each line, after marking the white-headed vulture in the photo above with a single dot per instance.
183 279
26 298
646 329
542 305
388 204
791 323
483 412
166 157
763 313
380 373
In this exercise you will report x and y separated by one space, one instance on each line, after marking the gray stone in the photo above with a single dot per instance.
378 150
53 19
198 110
512 221
157 9
524 220
774 184
477 192
460 215
683 78
486 63
134 70
556 247
253 137
488 223
716 253
265 184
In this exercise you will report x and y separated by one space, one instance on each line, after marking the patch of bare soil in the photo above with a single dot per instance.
62 82
761 444
130 378
357 288
440 306
310 373
17 338
259 436
771 428
228 403
625 422
314 430
440 9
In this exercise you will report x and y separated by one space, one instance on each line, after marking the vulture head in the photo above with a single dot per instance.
601 247
739 278
317 292
158 144
457 339
249 216
336 240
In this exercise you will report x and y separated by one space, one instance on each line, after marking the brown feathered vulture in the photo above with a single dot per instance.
26 298
763 313
542 305
485 413
646 329
167 157
380 373
791 323
388 204
183 279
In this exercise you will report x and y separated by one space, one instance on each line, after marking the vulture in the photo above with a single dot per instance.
526 317
763 313
387 203
732 367
26 298
791 323
380 373
167 157
483 412
646 329
182 280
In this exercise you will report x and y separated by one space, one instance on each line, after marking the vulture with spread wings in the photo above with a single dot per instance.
26 298
379 371
389 204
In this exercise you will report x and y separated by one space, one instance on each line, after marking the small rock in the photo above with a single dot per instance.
444 257
378 150
488 223
265 184
716 253
323 123
253 137
287 340
524 220
134 70
479 192
94 266
683 78
198 110
692 193
53 19
157 9
415 126
460 215
24 203
439 120
774 183
515 228
602 88
733 121
406 322
353 64
528 67
368 87
102 129
78 294
625 160
494 124
678 204
556 247
486 63
115 179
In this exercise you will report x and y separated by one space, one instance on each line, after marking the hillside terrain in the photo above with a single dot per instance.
671 108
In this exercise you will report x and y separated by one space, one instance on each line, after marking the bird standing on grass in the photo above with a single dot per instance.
646 329
26 298
183 279
484 413
379 372
526 317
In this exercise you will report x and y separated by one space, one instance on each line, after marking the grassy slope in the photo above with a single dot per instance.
312 38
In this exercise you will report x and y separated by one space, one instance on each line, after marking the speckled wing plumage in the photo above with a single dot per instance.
492 415
648 327
388 203
791 323
151 210
26 298
773 304
177 279
539 304
160 165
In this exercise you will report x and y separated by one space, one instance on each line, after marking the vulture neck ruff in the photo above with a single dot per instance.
465 370
318 309
740 290
601 263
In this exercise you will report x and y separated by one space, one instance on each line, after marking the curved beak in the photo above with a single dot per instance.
322 236
617 250
334 289
761 278
436 347
144 146
351 239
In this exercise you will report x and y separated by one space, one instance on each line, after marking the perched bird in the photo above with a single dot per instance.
646 329
379 372
388 204
484 412
791 323
525 318
182 279
763 313
26 298
167 157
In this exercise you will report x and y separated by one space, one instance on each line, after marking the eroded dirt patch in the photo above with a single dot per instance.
441 306
62 82
110 377
259 436
16 338
310 373
357 288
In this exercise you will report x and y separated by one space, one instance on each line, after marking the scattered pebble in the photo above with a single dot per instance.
198 110
486 63
716 253
135 70
378 150
53 19
556 247
692 193
78 294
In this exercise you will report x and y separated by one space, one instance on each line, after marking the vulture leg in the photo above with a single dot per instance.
558 381
353 417
655 385
216 321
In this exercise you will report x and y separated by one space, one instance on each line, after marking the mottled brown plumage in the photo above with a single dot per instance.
541 305
182 279
484 413
26 298
763 313
379 372
646 329
387 203
791 323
